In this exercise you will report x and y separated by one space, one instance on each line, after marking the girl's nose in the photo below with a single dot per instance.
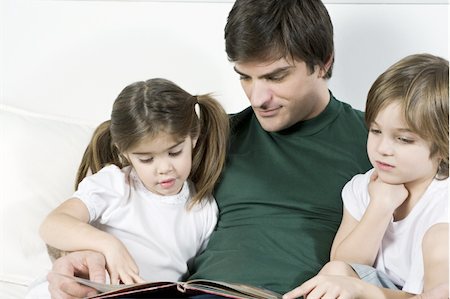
164 167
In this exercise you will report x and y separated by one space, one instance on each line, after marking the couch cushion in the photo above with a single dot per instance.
39 156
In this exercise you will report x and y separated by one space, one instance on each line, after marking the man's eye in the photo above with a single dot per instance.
276 78
244 78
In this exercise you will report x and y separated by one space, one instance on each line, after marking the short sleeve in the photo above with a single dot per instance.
210 214
103 191
355 195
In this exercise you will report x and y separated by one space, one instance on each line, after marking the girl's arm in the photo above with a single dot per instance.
435 256
67 228
359 242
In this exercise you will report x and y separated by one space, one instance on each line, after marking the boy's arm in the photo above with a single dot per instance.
435 256
67 228
359 242
335 286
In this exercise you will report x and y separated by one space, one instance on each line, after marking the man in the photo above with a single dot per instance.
290 154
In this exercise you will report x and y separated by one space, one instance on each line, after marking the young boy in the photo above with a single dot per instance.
393 239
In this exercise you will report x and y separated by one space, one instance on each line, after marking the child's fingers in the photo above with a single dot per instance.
374 176
130 278
126 279
137 278
114 276
300 291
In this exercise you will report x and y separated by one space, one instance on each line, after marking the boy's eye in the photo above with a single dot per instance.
375 131
244 78
405 140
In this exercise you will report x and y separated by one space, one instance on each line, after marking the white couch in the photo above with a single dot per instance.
39 155
71 69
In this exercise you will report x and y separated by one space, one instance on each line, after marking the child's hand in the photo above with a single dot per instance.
390 196
119 263
328 286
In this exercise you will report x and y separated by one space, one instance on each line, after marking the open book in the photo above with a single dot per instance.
178 289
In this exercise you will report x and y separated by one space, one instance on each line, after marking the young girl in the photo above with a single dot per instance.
148 207
394 231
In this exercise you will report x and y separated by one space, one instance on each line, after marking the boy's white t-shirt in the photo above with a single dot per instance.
159 232
400 255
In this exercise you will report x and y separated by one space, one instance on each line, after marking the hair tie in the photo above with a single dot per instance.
197 109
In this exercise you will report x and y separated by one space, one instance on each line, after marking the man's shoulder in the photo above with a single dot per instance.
349 109
349 115
239 119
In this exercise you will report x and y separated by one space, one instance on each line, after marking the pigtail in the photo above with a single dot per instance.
209 153
99 153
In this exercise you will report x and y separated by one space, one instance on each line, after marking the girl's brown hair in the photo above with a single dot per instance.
150 107
420 84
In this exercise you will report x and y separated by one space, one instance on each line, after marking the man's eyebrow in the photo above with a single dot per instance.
167 149
271 74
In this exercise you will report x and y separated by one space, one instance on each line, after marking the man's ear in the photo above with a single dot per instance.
324 70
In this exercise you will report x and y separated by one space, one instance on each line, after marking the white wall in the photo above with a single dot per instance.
72 58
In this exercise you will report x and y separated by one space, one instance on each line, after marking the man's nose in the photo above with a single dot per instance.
260 94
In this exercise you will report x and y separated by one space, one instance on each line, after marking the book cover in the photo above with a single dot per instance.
167 289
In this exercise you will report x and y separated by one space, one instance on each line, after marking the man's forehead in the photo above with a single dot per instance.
262 67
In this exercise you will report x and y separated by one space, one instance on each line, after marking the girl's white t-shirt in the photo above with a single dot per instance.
159 232
400 255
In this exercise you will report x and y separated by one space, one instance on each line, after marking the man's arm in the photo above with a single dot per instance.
55 253
86 264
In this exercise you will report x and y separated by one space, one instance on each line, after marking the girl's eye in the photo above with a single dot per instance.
149 160
174 154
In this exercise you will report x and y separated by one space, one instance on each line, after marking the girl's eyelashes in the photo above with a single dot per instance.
174 154
146 160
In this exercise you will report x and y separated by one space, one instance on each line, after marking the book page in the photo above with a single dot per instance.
232 290
113 290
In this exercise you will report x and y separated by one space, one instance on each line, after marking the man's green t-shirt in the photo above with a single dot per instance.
280 198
